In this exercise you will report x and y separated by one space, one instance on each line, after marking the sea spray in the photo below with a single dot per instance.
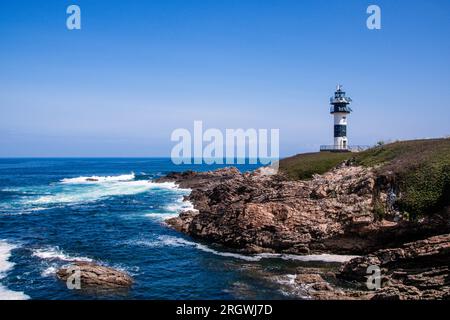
5 266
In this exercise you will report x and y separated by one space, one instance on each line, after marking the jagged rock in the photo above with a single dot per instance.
416 270
96 276
314 285
252 210
314 281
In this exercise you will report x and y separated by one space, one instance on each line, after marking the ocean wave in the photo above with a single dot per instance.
37 209
289 286
161 241
98 179
167 185
5 266
172 241
11 211
5 254
162 216
54 258
87 189
98 191
55 253
6 294
50 271
180 206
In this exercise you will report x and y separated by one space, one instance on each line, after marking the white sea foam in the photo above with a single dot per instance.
167 185
332 258
38 209
180 206
5 266
98 179
289 286
55 253
92 188
6 294
55 258
94 192
50 271
162 241
161 216
288 279
5 254
170 241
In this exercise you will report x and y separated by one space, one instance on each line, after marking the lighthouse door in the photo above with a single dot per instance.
344 144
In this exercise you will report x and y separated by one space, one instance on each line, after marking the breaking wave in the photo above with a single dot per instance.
180 206
89 189
53 258
55 253
5 266
290 288
161 216
98 179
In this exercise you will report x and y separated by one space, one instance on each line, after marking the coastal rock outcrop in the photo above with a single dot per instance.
96 276
347 210
252 212
419 270
416 270
255 213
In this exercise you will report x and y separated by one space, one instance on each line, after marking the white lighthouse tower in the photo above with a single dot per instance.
340 110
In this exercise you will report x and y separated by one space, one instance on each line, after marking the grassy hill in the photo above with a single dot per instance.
421 169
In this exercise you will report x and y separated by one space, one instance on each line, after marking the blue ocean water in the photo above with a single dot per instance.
52 213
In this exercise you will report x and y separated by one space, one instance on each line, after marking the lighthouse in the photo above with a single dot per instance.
340 110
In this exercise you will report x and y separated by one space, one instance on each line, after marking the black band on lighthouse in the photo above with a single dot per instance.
340 130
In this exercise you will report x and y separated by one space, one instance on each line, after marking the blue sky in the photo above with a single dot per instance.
137 70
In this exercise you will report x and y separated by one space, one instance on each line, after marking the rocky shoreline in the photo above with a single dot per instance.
335 213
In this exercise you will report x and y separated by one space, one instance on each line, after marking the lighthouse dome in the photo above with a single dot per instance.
339 103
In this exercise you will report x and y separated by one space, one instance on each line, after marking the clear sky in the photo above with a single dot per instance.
137 70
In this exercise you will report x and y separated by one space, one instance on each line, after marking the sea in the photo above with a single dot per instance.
110 211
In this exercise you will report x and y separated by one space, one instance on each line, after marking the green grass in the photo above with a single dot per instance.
419 168
303 166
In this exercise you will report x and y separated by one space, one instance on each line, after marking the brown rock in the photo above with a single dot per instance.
244 211
93 275
416 270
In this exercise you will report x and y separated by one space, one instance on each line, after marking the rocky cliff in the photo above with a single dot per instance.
350 209
334 212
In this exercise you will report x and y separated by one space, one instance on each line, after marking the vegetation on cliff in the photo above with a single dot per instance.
304 166
419 169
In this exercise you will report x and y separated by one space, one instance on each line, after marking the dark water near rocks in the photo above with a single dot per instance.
51 213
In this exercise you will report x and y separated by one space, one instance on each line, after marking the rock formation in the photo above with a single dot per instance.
333 212
417 270
348 210
94 276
